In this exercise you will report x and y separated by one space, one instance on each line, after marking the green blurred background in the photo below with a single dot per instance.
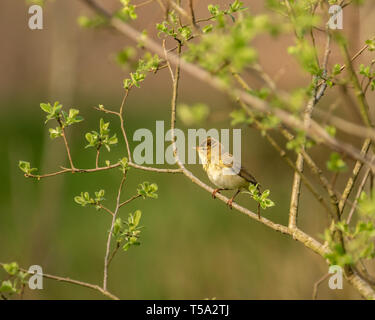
193 247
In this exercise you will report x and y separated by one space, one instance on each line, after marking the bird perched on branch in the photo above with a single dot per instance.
223 170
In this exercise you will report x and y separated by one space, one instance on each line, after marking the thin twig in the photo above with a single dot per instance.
317 284
113 253
106 258
360 189
76 282
129 200
66 143
143 3
350 184
105 209
192 14
97 157
122 125
168 64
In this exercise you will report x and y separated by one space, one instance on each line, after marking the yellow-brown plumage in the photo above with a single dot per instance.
222 169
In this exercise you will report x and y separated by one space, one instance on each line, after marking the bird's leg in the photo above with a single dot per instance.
216 191
230 201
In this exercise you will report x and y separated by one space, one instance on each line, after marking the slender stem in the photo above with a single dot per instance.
108 249
363 105
160 170
360 189
131 164
105 209
192 14
350 184
76 282
317 171
296 187
65 142
129 200
122 125
317 284
97 158
113 253
143 3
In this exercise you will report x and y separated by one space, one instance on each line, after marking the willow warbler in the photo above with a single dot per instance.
223 170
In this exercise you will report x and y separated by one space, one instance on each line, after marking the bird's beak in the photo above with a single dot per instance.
195 148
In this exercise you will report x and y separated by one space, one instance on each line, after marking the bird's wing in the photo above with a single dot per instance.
230 162
247 176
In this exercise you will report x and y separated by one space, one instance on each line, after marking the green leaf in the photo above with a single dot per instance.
95 22
11 268
124 165
55 133
335 163
208 28
113 140
25 167
240 117
147 189
336 69
371 44
137 217
331 130
7 287
80 200
124 56
185 32
127 84
46 107
103 126
193 115
99 195
117 227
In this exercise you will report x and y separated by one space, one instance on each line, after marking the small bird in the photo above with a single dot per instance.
223 170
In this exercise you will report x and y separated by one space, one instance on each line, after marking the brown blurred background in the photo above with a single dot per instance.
192 246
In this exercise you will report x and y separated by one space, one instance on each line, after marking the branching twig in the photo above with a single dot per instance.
129 200
76 282
108 249
315 131
350 184
360 189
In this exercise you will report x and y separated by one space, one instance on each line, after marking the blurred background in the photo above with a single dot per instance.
193 247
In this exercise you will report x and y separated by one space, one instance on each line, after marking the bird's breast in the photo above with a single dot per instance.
222 179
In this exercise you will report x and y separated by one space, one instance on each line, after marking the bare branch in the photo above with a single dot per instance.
360 189
76 282
350 184
317 284
106 258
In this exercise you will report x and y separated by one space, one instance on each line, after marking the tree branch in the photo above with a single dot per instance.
76 282
106 258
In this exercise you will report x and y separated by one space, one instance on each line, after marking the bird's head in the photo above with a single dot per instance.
208 149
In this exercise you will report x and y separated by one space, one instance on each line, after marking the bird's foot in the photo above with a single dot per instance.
215 191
